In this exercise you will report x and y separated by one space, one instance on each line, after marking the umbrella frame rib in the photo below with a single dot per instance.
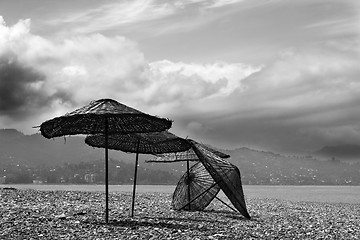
226 204
196 196
189 202
188 156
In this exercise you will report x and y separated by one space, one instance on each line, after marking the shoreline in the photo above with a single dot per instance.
75 214
308 193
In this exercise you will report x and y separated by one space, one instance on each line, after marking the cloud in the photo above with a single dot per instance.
305 99
19 87
42 77
38 75
205 3
311 77
179 82
222 3
21 83
113 15
149 17
345 22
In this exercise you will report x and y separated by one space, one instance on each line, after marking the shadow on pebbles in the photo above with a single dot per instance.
31 214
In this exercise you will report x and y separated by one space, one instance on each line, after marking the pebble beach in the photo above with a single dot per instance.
32 214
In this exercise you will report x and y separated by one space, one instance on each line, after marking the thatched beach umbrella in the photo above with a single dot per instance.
225 174
145 143
103 116
196 188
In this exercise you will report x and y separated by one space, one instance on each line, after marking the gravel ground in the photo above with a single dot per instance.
31 214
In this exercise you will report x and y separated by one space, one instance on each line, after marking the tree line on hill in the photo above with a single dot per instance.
268 171
120 172
32 158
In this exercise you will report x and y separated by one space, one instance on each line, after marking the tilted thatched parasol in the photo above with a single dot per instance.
103 116
146 143
206 193
225 174
196 185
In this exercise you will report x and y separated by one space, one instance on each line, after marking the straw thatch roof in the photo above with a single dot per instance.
146 143
188 155
94 117
225 174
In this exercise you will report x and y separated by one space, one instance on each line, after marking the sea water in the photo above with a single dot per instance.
311 193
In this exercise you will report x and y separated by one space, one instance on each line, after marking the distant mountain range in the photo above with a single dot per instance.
35 150
343 152
329 165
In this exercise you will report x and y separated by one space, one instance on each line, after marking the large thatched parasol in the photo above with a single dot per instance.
100 115
146 143
225 174
103 116
196 187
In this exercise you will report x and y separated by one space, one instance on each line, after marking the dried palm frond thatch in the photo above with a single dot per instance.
225 174
145 143
96 116
188 155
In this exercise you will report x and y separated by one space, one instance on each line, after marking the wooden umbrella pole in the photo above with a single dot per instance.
135 176
106 172
188 181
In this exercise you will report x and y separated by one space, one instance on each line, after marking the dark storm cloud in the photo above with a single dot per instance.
303 101
21 89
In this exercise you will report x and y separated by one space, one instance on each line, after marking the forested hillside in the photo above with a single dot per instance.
33 158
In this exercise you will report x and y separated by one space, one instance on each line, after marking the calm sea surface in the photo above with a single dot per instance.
337 194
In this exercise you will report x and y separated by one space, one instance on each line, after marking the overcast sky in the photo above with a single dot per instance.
268 74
